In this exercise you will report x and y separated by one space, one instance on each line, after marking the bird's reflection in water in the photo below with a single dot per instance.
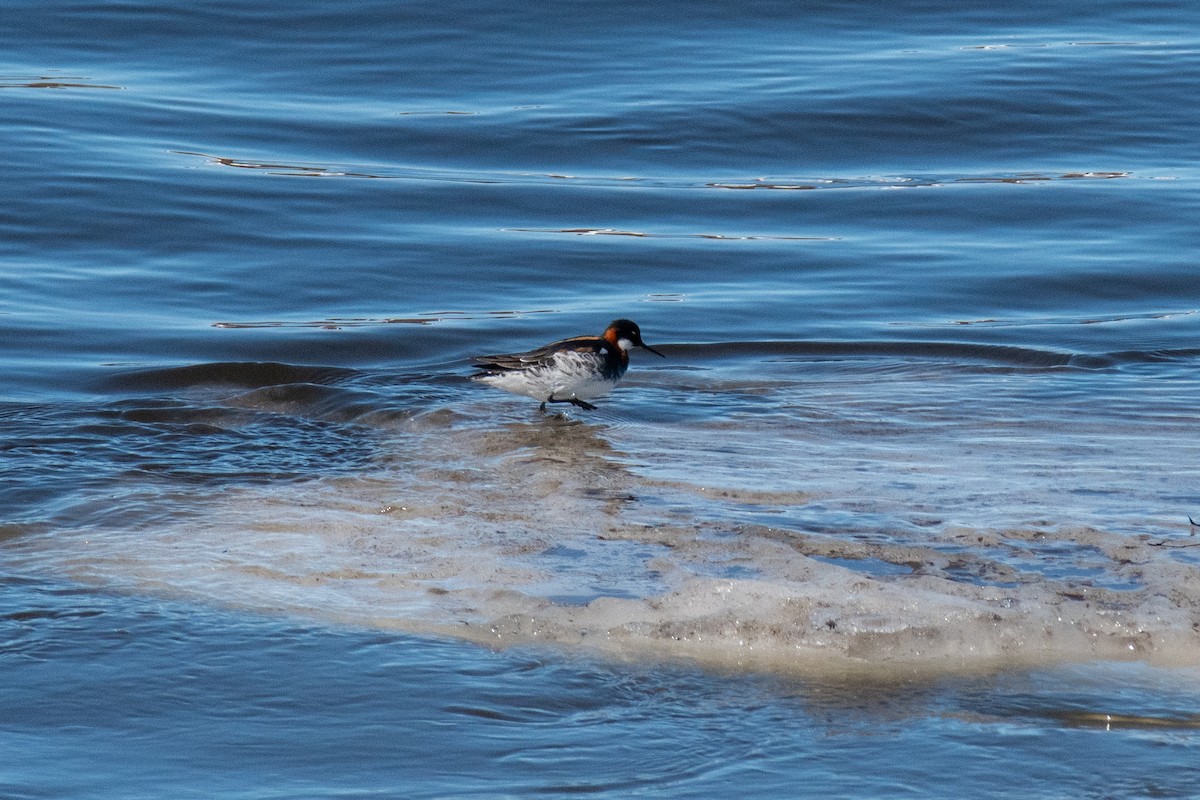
553 459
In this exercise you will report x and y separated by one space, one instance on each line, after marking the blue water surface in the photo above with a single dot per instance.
916 266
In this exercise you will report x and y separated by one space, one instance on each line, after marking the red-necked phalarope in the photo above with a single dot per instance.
571 371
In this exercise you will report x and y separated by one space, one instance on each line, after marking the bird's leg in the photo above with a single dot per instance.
575 401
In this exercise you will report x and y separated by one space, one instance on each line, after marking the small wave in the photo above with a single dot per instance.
331 324
50 82
404 172
1165 355
395 172
648 235
1032 177
337 404
953 351
437 113
302 395
1108 720
231 373
1026 322
1046 45
913 182
279 168
288 396
338 323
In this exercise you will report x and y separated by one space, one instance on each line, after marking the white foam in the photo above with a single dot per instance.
541 533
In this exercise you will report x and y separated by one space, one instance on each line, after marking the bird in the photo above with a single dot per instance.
573 370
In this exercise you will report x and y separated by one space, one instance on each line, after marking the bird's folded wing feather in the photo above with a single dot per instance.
581 346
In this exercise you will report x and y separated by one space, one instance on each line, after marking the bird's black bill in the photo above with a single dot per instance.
652 350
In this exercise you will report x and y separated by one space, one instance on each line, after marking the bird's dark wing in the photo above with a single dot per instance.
585 345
